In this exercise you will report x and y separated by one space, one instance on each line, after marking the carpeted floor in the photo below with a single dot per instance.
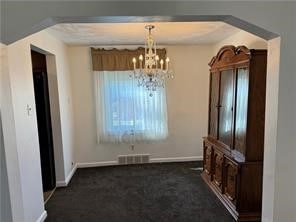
168 192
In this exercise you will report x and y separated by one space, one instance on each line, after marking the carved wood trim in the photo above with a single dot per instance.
229 55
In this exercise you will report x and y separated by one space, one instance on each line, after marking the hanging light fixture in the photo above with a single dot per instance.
150 70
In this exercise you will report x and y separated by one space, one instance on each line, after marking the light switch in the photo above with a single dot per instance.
29 110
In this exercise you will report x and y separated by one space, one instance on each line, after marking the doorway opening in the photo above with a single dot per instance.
44 123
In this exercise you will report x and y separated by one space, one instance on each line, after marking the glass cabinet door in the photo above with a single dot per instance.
214 100
226 107
241 107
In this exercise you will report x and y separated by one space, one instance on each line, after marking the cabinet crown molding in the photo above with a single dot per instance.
229 54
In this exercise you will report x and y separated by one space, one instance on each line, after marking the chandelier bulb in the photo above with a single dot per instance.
134 62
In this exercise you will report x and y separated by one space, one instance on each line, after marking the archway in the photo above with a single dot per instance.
272 76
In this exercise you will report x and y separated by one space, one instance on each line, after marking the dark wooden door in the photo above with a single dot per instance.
214 104
241 110
226 107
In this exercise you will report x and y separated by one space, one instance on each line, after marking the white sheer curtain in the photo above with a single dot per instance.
126 112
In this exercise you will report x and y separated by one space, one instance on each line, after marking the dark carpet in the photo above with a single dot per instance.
167 192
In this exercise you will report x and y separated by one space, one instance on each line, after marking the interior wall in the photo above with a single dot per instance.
5 206
10 147
187 100
242 38
269 166
285 164
55 117
21 80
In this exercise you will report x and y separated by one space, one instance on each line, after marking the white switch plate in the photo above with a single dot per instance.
29 110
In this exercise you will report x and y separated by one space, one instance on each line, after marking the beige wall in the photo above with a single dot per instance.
5 200
242 38
9 133
22 92
5 206
187 99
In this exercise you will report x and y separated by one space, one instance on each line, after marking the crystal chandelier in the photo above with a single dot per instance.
150 71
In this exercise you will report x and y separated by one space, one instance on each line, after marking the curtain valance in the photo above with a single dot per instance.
118 59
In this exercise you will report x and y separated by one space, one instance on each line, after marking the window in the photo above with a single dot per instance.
126 112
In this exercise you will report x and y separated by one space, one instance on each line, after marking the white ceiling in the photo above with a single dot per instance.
134 33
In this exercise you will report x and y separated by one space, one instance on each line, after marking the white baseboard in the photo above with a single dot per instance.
42 216
97 164
176 159
61 183
152 160
64 183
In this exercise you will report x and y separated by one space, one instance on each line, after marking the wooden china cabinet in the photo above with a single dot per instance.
233 149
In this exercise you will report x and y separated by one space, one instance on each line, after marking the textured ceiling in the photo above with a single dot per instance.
134 33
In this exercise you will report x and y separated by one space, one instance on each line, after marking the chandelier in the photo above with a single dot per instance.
150 70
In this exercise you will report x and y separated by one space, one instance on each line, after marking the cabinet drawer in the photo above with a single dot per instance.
207 158
231 171
218 160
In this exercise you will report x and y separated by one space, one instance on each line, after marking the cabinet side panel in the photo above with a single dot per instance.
256 109
251 188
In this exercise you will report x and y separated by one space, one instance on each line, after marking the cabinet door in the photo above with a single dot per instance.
241 109
231 178
218 168
207 158
214 100
226 107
